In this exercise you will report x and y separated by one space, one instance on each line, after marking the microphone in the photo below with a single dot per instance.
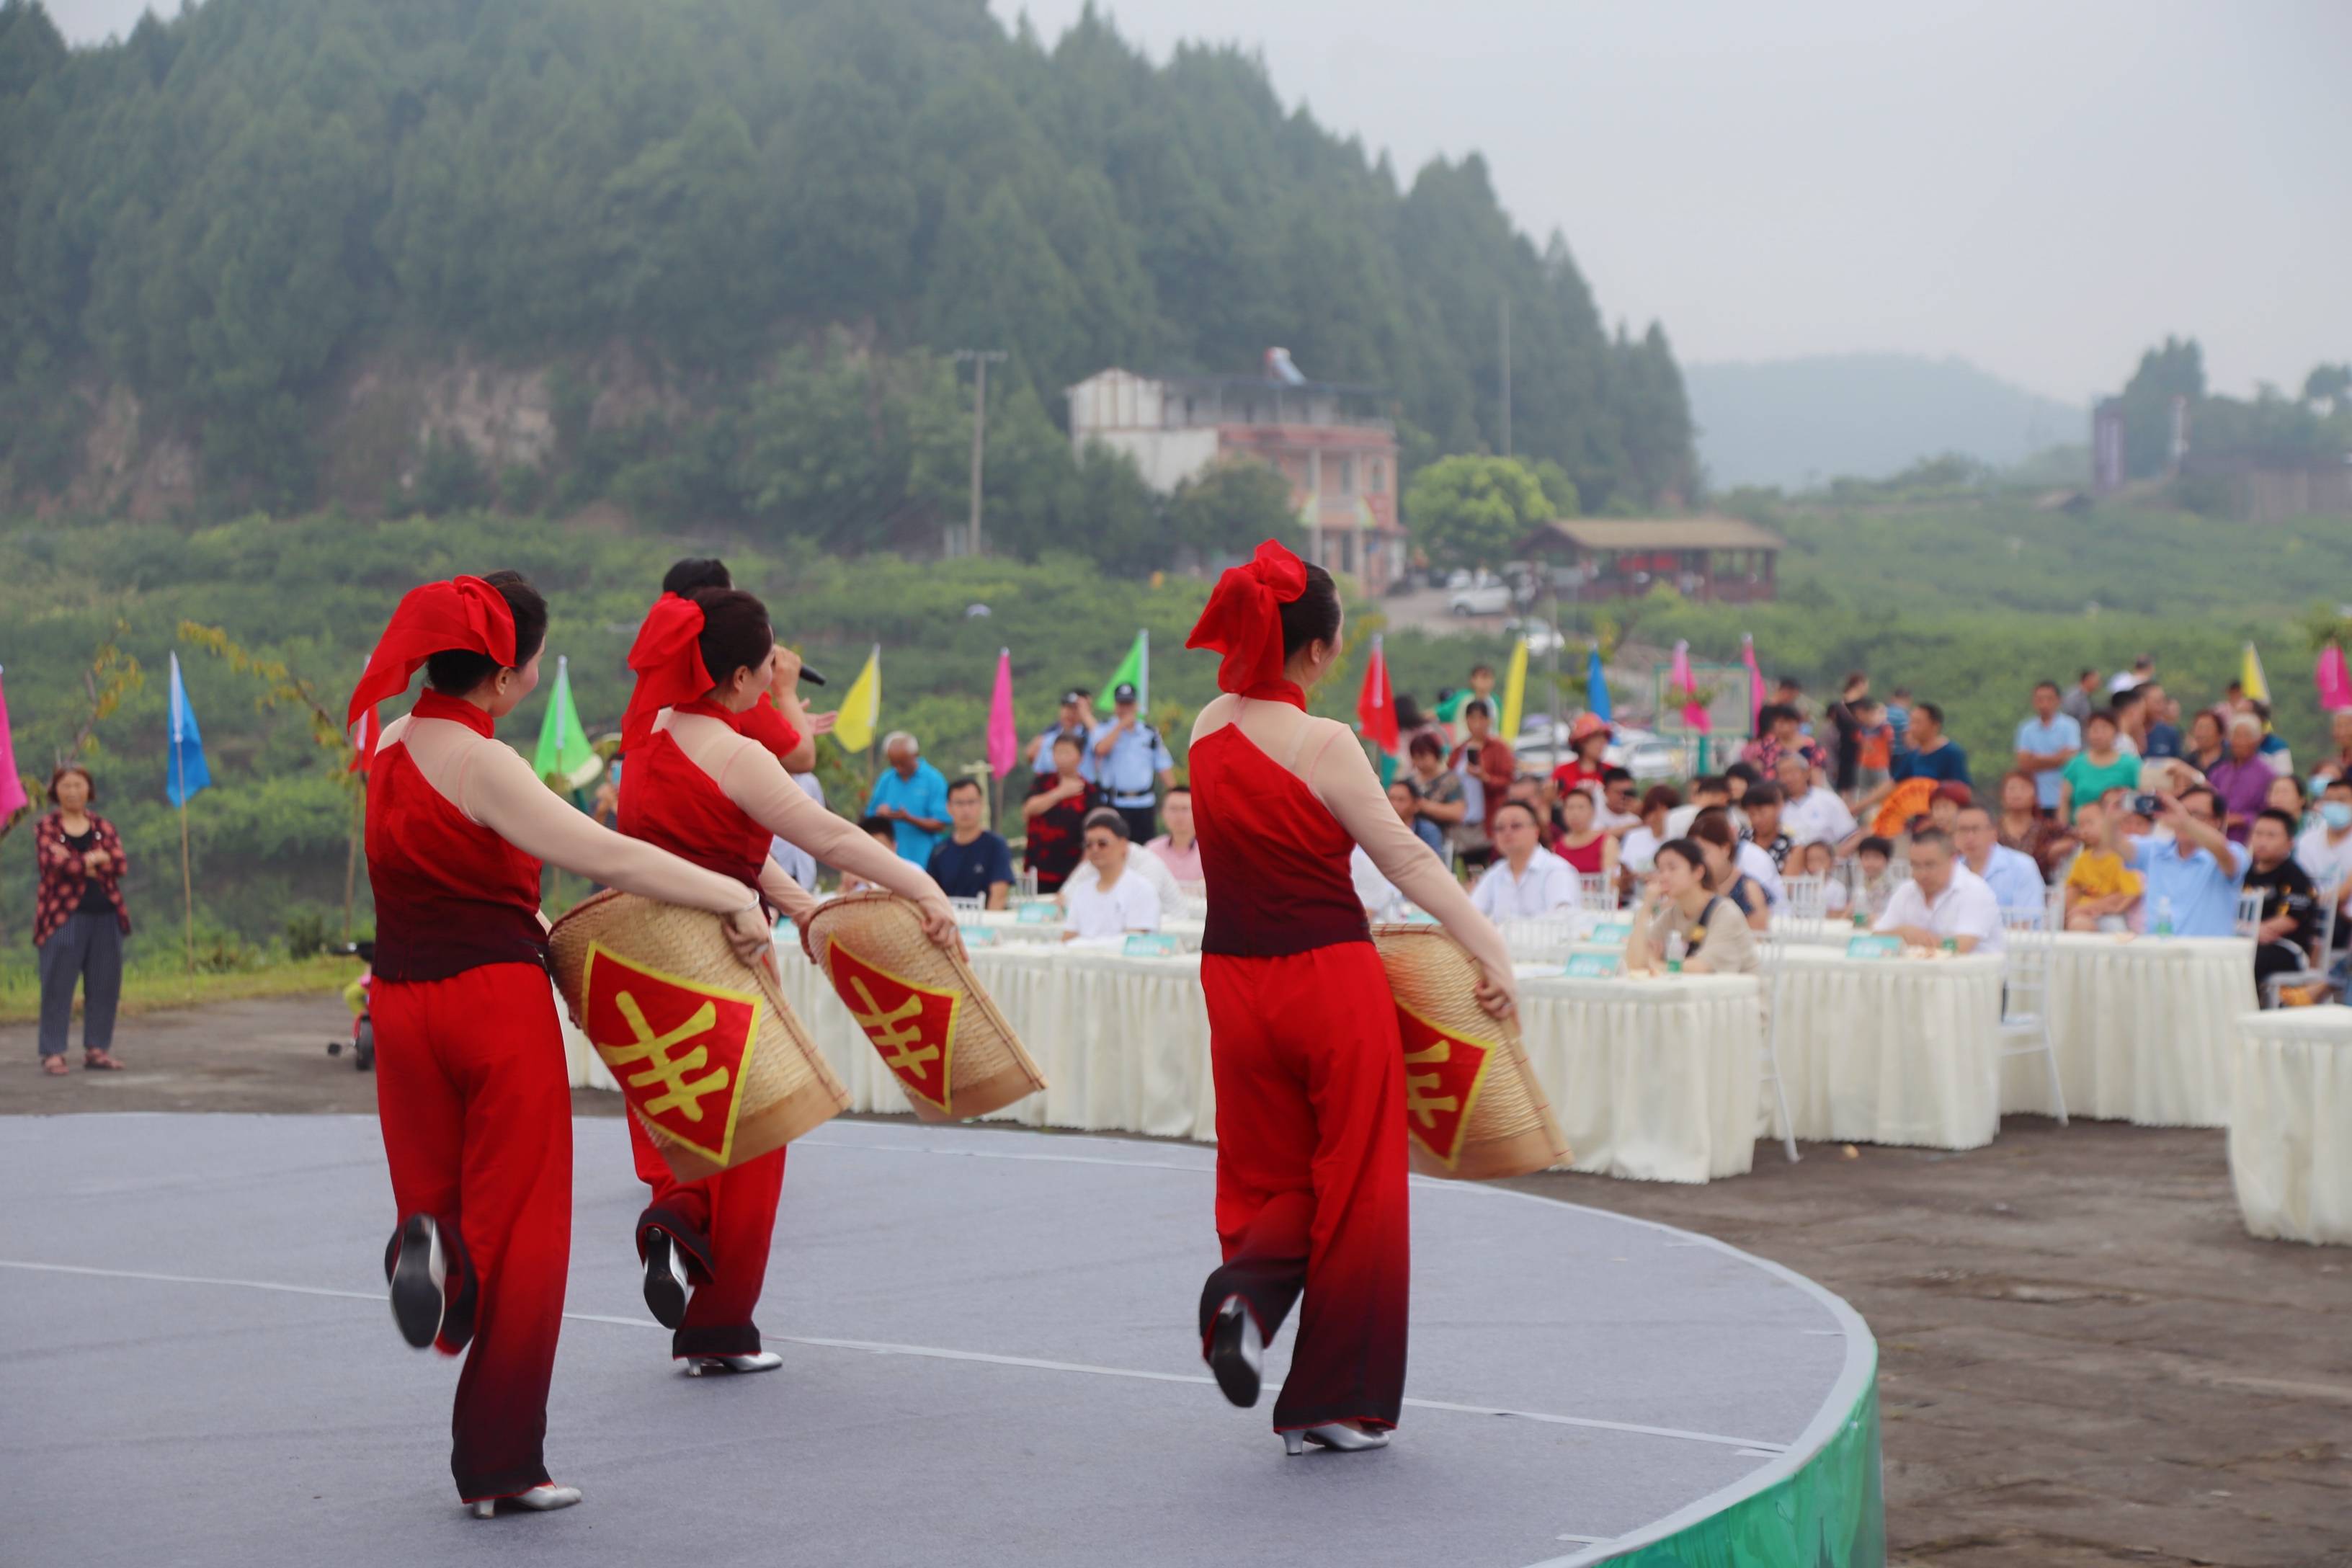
811 676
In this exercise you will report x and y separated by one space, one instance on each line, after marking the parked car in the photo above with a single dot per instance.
1481 599
1648 757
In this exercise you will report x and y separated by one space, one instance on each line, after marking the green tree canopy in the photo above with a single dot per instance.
1474 511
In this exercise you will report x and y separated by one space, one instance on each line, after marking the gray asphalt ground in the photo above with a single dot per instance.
988 1358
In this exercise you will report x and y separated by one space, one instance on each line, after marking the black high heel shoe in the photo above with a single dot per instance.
1236 1352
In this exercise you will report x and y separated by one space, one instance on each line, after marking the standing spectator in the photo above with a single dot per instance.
1763 806
1780 738
2046 741
2289 931
971 862
2274 746
1483 761
1899 715
2022 827
911 795
2208 745
2192 883
1810 814
2142 672
1583 843
2015 880
2162 739
1932 754
2101 891
1179 848
1588 743
1072 721
1116 900
1440 803
1943 901
2130 708
1056 812
2326 847
2337 764
1874 750
1526 879
1639 847
2242 781
1480 689
1845 728
2098 767
79 922
1131 760
2077 704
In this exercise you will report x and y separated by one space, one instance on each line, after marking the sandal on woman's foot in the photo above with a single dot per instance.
99 1061
54 1065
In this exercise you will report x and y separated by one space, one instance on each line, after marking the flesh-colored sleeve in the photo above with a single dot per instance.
497 790
1345 784
784 893
755 781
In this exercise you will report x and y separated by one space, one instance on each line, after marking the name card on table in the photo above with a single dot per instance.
979 936
1594 966
1150 945
1045 912
1874 946
1613 931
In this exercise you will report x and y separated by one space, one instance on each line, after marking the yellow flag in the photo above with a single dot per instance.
861 709
1515 692
2250 676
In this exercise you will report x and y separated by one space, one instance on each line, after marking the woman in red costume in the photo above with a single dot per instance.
471 1089
704 784
1308 1064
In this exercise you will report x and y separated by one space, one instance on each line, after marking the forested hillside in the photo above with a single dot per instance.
721 247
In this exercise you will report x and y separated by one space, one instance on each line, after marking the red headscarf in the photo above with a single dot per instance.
667 657
464 613
1243 619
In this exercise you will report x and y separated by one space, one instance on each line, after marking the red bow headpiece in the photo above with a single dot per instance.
1243 619
464 613
667 657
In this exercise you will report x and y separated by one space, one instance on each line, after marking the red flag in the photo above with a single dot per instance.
1376 707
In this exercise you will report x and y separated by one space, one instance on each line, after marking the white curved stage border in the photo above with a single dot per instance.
989 1357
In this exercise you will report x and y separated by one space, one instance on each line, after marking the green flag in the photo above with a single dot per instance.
564 758
1134 669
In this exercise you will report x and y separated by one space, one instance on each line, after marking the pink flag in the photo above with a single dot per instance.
11 788
2334 680
1755 683
1694 711
1004 740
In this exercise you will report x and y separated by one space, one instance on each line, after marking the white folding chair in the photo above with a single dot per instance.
1772 962
1028 884
1804 901
2249 912
2028 948
1541 938
2316 971
969 904
1596 894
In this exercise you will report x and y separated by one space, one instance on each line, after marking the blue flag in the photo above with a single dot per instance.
1596 688
185 773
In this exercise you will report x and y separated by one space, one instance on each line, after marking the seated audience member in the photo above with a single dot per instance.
2022 827
2286 794
1932 754
971 862
1809 814
1727 863
1944 805
2015 880
2192 879
1440 803
1943 901
1677 901
1619 815
1820 861
2337 763
2208 740
1740 778
2242 781
2099 766
1640 845
2288 935
2161 737
1056 811
1582 843
1178 848
1379 897
1707 789
2273 747
1764 831
2326 847
883 831
1872 858
2102 891
1526 880
1116 900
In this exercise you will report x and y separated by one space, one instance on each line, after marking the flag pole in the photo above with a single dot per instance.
187 889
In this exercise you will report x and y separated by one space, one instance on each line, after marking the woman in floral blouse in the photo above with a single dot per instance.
79 922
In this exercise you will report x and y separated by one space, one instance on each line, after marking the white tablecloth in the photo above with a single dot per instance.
1890 1051
2291 1131
2142 1029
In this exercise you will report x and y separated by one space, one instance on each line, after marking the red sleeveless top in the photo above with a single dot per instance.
673 805
450 895
1275 857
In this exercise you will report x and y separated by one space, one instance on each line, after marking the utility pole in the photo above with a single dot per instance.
979 358
1506 375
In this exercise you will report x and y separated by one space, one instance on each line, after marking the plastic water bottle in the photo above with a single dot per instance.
2164 917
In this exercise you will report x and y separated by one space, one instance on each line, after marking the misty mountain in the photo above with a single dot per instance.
1798 422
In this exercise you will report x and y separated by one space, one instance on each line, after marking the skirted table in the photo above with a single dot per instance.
1890 1051
2291 1125
2142 1027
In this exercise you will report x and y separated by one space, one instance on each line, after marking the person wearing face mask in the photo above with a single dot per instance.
2325 848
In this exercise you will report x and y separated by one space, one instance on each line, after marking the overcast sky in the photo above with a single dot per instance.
2045 189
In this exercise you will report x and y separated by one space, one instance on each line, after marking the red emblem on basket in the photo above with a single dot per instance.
1443 1076
678 1047
912 1026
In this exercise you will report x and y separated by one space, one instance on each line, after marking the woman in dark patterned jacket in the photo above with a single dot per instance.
79 922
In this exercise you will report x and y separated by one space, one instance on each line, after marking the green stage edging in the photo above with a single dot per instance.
1831 1513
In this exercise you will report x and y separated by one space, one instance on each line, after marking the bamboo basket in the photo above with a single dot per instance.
1472 1103
934 1025
666 962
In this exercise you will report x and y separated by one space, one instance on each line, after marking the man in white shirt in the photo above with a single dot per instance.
2325 848
1527 880
797 862
1140 864
1943 901
1752 859
2014 879
1807 814
1117 901
1708 789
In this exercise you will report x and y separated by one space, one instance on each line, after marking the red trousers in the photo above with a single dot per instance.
477 1112
722 1225
1312 1172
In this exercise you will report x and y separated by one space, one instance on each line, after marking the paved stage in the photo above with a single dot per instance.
989 1357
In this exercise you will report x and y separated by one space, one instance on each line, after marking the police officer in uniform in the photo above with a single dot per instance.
1129 761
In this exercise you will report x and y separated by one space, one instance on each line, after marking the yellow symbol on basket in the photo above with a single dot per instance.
1423 1106
680 1093
882 1027
1439 1102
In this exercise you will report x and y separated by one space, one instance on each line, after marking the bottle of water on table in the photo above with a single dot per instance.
2164 917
